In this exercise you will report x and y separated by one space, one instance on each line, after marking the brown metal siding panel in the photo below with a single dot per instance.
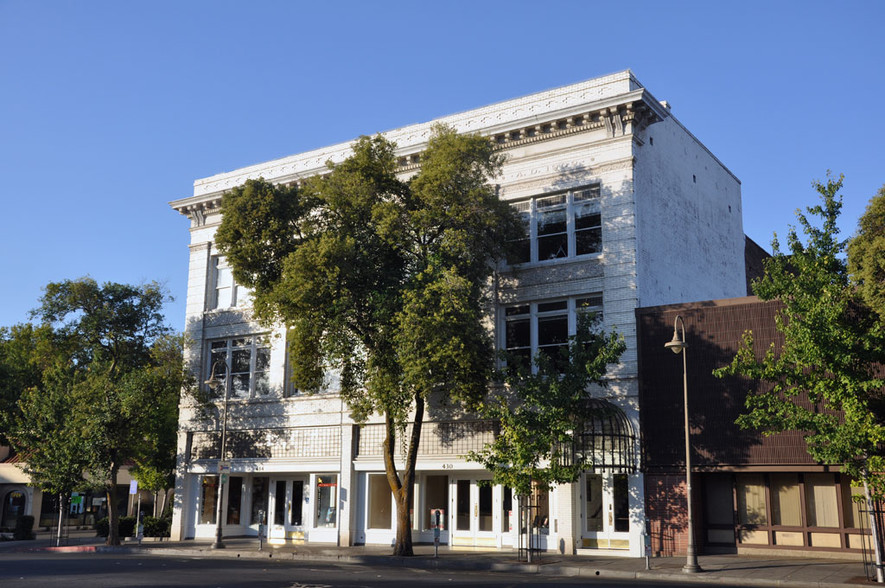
714 331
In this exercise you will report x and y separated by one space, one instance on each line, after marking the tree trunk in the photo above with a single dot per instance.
113 515
874 528
403 489
403 545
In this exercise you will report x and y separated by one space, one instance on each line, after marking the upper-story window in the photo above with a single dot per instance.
567 224
544 327
247 358
226 293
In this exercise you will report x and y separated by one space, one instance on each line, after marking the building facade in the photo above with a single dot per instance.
750 493
604 177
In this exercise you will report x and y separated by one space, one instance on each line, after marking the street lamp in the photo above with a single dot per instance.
214 384
678 345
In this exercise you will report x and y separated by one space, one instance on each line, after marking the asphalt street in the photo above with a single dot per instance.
96 570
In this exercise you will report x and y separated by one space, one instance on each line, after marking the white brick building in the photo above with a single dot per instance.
625 208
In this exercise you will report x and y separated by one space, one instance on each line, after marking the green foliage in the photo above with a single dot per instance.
110 375
125 527
380 278
866 254
156 527
19 370
541 412
823 381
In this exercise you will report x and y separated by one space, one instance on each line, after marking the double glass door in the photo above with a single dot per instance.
287 516
473 513
606 511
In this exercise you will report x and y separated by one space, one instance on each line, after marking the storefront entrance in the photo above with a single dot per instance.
287 509
606 511
474 515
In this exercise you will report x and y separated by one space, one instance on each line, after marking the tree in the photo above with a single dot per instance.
823 380
380 278
109 384
18 371
866 254
542 412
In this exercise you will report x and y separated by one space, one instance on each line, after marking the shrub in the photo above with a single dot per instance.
24 528
154 527
102 528
126 527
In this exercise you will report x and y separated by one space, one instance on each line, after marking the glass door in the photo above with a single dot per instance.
287 506
473 517
606 511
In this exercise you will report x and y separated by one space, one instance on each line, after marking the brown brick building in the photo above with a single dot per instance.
749 492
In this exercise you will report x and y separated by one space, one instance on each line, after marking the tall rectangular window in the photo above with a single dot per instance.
208 494
225 292
379 502
821 502
786 507
248 359
751 500
327 501
436 497
568 224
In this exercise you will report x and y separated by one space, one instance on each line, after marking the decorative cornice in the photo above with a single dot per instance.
618 103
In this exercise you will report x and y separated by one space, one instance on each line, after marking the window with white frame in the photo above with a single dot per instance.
545 326
226 293
247 358
568 224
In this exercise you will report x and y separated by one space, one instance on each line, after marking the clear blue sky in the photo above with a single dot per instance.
109 109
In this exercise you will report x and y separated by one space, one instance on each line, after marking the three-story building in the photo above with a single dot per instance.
623 208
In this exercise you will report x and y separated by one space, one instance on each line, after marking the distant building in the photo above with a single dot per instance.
624 209
18 497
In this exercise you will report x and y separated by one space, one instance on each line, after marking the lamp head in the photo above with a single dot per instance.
676 345
213 382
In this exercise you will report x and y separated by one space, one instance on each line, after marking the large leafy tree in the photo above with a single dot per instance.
110 377
381 278
866 254
824 379
542 412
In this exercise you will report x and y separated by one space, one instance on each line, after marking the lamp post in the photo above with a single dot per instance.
214 384
678 345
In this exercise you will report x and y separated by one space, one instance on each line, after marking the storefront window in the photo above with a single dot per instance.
379 502
436 496
786 507
327 500
820 500
854 506
751 500
542 518
506 509
208 494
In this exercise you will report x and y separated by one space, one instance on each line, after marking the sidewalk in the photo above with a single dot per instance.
719 569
